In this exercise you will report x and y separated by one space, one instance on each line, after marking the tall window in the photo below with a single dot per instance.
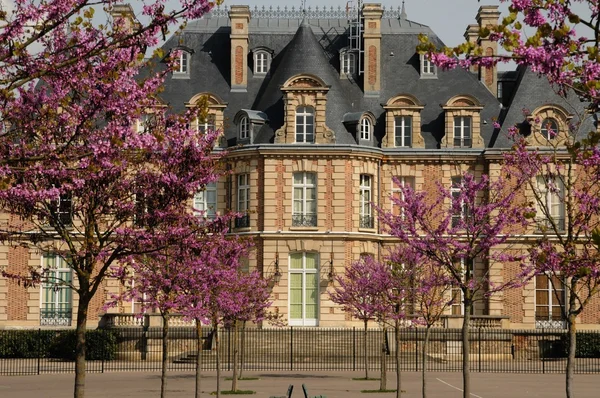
181 63
460 208
549 128
56 306
262 61
458 305
366 217
243 200
305 124
206 123
61 209
365 128
462 132
551 210
205 202
305 200
244 128
304 289
348 63
549 302
403 181
403 131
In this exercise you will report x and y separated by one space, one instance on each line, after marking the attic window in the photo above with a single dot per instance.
262 62
244 128
365 129
428 69
549 128
348 63
181 69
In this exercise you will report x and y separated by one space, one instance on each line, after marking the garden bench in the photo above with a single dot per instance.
288 395
307 396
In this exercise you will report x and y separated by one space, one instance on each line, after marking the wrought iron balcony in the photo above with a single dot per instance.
50 317
366 222
243 221
304 220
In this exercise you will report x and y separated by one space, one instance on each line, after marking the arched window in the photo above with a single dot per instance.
244 128
549 128
366 127
305 124
262 61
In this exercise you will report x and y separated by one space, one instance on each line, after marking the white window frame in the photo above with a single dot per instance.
205 201
143 122
366 128
262 62
552 298
365 190
56 286
182 64
458 308
455 191
397 190
464 138
428 69
305 124
304 272
244 128
348 63
545 129
402 137
209 124
553 201
243 193
304 200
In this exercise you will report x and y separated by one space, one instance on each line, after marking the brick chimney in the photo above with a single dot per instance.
123 13
240 17
372 14
471 35
487 16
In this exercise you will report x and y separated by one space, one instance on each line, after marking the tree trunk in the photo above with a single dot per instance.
366 359
198 357
242 349
572 328
383 367
82 313
234 378
424 362
397 357
465 346
218 358
165 355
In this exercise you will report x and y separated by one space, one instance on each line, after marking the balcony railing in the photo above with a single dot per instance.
55 317
366 222
243 221
304 220
545 224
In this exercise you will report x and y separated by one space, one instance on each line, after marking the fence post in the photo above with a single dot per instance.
291 348
39 356
229 348
479 332
417 350
541 348
354 348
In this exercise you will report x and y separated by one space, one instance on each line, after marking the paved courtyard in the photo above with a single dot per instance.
331 384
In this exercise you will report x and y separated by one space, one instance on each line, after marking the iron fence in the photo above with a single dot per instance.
294 348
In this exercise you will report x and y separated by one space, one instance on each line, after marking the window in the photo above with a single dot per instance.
262 62
243 201
428 69
205 202
305 200
348 63
244 128
365 129
304 289
305 124
56 306
366 218
549 302
403 131
181 63
551 204
145 123
549 128
397 192
462 132
206 123
460 209
458 305
62 209
499 94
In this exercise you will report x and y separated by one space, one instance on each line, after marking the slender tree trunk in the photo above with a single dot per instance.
424 362
82 313
242 349
198 358
397 357
466 347
383 367
165 355
572 329
234 378
365 351
218 348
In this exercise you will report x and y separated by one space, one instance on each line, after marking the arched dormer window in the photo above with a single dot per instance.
366 129
347 64
183 57
248 121
403 122
244 128
549 124
463 122
262 61
210 112
549 128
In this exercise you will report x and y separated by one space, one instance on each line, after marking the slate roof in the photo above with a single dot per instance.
313 47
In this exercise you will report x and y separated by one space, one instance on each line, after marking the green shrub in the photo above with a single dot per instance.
24 343
588 345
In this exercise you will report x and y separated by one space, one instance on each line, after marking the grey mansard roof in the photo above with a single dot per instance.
313 47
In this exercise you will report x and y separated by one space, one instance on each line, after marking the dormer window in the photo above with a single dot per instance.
181 67
549 128
366 128
348 63
262 61
462 132
305 124
428 69
244 128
